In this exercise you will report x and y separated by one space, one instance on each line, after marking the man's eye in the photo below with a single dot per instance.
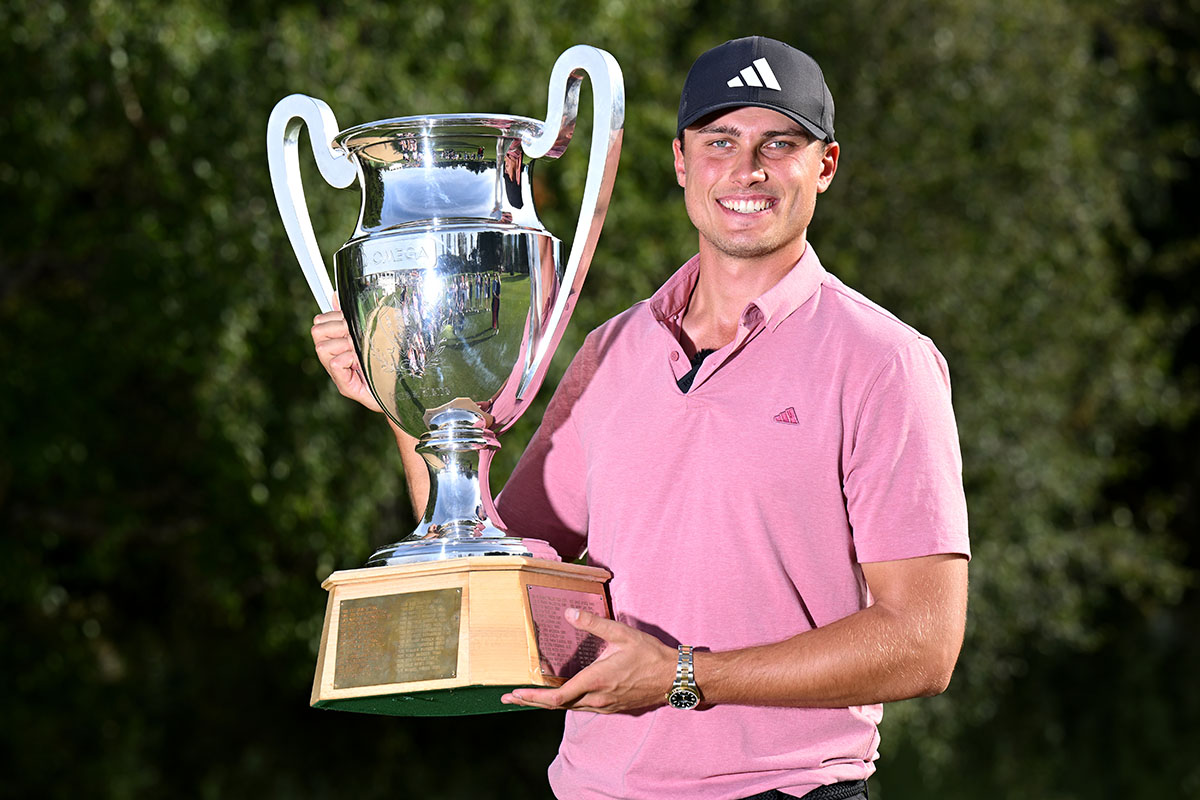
719 143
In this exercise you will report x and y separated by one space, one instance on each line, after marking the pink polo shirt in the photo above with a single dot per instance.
737 514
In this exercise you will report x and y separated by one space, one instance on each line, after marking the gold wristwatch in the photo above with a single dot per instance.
684 692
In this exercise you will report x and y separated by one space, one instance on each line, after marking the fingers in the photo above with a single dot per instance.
330 346
335 351
607 629
535 698
577 693
330 325
331 338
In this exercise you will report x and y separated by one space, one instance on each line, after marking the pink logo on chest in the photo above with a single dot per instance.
788 415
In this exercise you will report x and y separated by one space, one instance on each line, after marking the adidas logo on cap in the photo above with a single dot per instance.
757 74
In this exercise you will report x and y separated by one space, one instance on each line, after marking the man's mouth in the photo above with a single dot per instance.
742 206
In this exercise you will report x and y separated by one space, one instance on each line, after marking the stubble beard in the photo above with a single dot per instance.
744 249
767 244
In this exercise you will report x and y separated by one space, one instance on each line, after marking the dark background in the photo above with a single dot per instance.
177 475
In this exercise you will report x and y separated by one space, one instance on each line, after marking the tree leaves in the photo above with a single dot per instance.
177 475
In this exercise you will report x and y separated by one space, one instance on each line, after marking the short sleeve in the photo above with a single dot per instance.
903 478
546 497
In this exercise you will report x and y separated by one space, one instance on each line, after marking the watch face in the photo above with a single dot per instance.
683 698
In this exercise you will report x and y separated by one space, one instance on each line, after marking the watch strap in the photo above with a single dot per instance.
685 669
684 693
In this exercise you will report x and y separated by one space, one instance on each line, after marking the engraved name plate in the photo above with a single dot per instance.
398 638
563 650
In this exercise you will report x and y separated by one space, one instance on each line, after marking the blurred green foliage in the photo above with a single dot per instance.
177 476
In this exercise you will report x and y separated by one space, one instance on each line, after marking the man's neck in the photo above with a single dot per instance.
724 287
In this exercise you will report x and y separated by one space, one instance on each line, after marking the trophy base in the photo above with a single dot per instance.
444 638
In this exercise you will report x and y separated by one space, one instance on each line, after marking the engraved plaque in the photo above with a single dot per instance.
397 638
563 650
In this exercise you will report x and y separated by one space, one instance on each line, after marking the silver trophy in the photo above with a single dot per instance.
455 293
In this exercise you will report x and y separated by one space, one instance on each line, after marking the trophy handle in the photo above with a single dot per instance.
608 92
283 138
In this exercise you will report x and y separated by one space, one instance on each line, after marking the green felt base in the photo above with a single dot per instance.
439 703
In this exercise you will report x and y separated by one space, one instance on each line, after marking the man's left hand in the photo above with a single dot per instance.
633 672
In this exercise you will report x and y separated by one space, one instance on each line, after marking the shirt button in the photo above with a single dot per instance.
674 355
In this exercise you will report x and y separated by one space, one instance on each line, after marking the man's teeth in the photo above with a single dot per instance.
747 206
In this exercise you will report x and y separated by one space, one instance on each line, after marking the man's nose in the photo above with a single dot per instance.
749 169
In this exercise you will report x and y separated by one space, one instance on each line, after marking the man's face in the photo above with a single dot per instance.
751 177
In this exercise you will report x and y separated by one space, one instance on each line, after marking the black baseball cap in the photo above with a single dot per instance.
757 71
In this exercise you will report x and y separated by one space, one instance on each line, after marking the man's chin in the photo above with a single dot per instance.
748 248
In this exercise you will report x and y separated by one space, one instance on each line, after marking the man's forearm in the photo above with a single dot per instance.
416 474
904 645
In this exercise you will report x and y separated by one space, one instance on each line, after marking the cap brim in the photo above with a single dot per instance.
708 111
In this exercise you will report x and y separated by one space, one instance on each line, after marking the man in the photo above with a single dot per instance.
768 464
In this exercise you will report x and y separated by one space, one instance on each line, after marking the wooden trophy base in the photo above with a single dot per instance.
441 638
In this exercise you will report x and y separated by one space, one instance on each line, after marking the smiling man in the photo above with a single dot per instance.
768 464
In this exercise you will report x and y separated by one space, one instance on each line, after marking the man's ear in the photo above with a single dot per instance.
680 170
829 165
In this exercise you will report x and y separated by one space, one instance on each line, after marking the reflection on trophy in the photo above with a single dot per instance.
456 296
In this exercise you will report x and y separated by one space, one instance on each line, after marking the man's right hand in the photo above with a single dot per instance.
331 336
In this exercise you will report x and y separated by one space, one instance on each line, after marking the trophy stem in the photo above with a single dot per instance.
458 458
459 518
